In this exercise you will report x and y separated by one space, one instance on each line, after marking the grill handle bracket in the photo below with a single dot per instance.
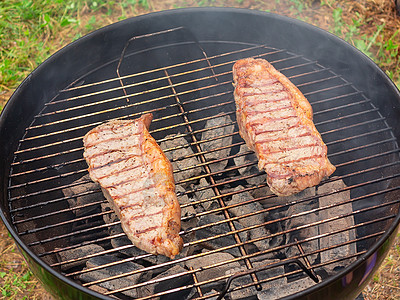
266 267
181 28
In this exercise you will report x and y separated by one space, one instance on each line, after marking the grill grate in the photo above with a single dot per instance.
244 238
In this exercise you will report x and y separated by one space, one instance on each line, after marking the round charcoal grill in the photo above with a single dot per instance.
241 242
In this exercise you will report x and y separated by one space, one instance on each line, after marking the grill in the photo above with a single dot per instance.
240 240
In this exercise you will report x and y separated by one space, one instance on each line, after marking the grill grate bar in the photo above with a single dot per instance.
366 146
289 273
345 106
334 98
83 106
288 204
98 123
369 157
224 209
162 78
149 91
203 119
86 115
361 146
342 177
291 230
321 80
159 141
383 130
296 272
216 210
88 242
164 87
72 233
301 214
297 65
280 247
209 172
299 201
164 264
63 175
94 191
353 125
274 51
196 282
62 211
56 166
203 268
80 116
26 161
177 125
128 105
52 201
328 89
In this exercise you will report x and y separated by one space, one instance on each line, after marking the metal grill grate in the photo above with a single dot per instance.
243 238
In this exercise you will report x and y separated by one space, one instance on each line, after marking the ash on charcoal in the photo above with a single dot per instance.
206 194
212 292
77 196
267 200
189 220
215 139
252 220
101 290
269 273
222 228
182 158
207 273
114 270
188 212
245 156
277 292
297 221
79 252
335 225
171 283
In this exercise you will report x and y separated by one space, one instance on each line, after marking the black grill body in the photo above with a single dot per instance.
190 53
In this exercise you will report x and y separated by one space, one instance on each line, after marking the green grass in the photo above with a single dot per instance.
26 26
382 50
31 30
15 283
16 280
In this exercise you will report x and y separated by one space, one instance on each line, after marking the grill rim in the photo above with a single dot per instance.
10 107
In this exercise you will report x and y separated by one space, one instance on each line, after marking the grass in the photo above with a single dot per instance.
25 30
31 30
16 280
376 43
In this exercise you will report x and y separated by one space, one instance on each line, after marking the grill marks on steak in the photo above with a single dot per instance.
136 178
275 120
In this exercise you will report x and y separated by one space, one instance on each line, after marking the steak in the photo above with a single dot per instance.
136 178
275 120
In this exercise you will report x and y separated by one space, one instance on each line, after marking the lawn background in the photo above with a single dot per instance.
32 30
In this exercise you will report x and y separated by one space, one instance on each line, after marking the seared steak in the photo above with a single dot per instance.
136 177
275 120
